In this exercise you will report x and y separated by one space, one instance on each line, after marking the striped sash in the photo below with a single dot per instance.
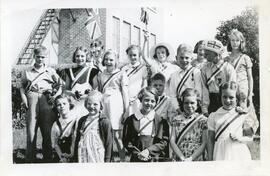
212 77
238 62
160 103
108 80
183 80
75 79
135 70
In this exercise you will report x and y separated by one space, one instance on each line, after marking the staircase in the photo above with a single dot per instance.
36 37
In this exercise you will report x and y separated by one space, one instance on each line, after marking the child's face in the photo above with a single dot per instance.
80 58
133 55
62 106
235 42
110 61
148 103
228 98
161 54
200 54
190 105
211 56
183 59
93 106
159 85
41 57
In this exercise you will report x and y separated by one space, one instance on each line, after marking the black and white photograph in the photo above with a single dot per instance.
130 88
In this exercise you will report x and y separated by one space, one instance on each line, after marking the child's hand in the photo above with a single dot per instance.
24 101
146 36
144 155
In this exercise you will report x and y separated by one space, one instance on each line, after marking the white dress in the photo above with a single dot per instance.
225 148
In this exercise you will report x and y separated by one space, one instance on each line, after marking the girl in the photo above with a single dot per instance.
137 74
79 80
189 130
145 134
113 83
63 128
242 64
229 130
93 133
161 55
200 61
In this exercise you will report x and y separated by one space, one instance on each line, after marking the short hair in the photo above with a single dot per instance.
197 46
240 96
62 96
158 76
186 93
96 94
146 90
39 49
134 47
110 51
161 46
80 48
240 36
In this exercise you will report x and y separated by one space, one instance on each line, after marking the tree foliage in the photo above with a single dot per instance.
247 23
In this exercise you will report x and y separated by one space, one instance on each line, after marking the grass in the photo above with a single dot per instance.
19 145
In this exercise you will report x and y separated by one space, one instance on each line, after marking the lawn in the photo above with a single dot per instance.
19 145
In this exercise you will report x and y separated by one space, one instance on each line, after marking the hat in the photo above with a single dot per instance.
185 48
166 45
213 45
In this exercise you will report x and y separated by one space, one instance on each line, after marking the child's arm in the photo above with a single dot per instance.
210 144
250 85
201 149
144 55
174 146
23 96
107 135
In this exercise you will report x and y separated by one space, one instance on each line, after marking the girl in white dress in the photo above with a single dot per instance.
229 129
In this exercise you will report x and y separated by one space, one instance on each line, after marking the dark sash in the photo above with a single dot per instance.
237 62
209 80
183 80
35 80
158 105
135 70
144 126
108 80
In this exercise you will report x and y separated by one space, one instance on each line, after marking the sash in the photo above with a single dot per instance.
183 80
184 131
218 70
135 70
237 62
62 131
75 79
84 128
108 80
163 99
143 127
224 127
34 81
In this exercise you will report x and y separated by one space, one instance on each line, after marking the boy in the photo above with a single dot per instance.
215 72
40 85
187 77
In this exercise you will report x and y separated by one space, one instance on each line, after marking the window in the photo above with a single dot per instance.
126 40
136 36
116 35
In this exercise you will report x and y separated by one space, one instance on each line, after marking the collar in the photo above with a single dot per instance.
149 116
135 65
43 68
184 70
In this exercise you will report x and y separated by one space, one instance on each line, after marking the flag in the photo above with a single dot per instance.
92 24
144 16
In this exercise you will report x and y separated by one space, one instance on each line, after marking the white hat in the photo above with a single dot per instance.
166 45
213 45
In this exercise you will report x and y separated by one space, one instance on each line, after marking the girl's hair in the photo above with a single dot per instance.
95 94
63 95
189 92
137 47
158 76
197 46
39 49
240 96
240 36
110 51
147 90
161 46
83 49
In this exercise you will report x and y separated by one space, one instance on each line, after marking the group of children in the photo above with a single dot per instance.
156 110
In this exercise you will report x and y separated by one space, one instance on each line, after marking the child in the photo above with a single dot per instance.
189 130
215 72
200 61
241 63
145 134
228 130
164 107
37 95
96 52
187 76
79 80
160 55
136 73
113 83
93 133
63 128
